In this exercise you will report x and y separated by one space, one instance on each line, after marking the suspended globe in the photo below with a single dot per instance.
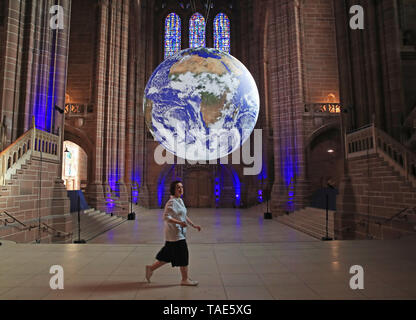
201 104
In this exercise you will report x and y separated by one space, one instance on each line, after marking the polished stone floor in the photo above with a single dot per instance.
219 226
237 256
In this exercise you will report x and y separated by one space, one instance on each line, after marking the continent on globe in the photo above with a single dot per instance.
201 104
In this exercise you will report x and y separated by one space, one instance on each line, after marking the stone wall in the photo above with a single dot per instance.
319 51
35 190
31 50
370 66
372 192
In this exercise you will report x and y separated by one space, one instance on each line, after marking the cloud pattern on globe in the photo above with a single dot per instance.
201 104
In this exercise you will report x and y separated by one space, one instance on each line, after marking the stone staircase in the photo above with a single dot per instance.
93 223
311 221
377 199
31 190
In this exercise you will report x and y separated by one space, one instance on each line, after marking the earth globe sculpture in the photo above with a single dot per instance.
201 104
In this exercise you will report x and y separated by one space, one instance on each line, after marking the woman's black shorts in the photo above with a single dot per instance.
174 252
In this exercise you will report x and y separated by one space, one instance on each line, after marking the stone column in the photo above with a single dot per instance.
111 102
145 69
287 106
95 190
370 65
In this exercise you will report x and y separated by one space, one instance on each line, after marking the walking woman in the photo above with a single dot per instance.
175 250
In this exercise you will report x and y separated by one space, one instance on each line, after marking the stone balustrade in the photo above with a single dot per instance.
369 140
35 143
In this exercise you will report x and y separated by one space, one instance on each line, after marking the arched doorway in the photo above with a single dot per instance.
325 166
198 187
75 166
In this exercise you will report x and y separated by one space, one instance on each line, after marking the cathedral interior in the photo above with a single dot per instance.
337 120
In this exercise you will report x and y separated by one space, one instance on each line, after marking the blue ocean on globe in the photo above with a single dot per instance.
201 104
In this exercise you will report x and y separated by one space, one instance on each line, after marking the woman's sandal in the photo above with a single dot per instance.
189 282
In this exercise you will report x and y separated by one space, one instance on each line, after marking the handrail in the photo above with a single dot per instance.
15 142
359 129
6 222
56 230
396 215
44 228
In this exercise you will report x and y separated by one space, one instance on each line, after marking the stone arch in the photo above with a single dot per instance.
322 130
323 166
80 138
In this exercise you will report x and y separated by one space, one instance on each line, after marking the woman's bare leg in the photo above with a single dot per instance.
184 272
185 280
153 267
157 265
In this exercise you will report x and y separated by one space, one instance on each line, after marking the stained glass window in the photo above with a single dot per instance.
222 32
172 34
197 31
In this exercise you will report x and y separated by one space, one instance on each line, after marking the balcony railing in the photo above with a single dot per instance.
328 109
78 109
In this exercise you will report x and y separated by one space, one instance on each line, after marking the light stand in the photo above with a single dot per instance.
267 214
131 215
79 223
327 238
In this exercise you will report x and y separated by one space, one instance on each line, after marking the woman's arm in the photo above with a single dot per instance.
169 212
174 221
192 224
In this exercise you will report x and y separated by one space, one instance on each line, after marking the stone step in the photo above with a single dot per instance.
306 230
94 223
316 234
318 210
319 225
311 221
307 226
103 228
310 215
314 226
98 216
89 223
